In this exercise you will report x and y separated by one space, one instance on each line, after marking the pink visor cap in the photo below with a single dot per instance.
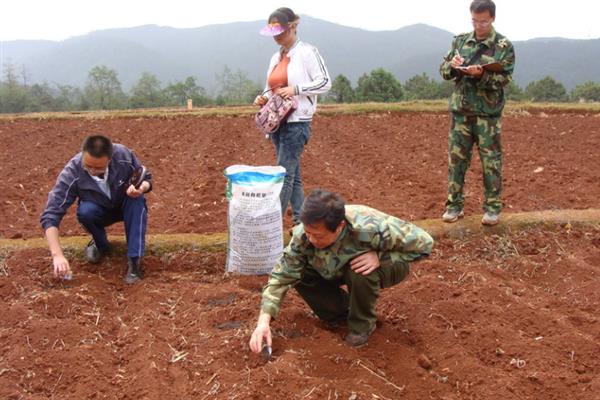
274 29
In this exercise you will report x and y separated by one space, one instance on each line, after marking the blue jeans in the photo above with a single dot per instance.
289 141
133 213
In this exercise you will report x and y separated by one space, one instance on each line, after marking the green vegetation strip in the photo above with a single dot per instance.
511 223
217 242
432 106
159 244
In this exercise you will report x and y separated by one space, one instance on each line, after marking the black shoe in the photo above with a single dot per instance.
134 271
92 254
337 323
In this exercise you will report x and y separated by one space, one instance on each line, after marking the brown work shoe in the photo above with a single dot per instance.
359 339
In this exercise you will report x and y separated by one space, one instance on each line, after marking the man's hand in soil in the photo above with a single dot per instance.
60 263
365 263
134 193
61 266
263 330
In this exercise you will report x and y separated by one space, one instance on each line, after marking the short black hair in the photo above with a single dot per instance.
479 6
97 146
283 15
323 205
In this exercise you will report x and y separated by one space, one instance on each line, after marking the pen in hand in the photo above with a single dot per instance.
457 54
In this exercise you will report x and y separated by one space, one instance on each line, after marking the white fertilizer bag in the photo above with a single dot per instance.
254 220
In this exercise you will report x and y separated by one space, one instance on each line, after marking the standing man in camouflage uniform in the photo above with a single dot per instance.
335 245
476 107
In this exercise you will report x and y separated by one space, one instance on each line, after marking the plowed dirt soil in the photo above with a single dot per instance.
499 317
495 317
394 162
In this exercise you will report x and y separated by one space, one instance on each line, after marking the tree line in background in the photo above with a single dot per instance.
103 91
381 86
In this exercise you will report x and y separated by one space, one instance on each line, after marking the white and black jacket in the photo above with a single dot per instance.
307 74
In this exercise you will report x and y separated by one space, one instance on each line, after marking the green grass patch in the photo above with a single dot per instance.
164 244
158 244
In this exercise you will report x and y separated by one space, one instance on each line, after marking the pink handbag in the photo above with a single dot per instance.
272 114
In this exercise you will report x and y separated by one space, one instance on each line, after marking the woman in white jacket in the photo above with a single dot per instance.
297 70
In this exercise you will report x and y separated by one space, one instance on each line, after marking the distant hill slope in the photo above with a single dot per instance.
173 54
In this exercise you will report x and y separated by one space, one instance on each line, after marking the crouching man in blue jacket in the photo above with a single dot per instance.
109 183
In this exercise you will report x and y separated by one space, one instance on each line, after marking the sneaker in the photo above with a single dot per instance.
453 215
490 218
92 254
134 271
359 339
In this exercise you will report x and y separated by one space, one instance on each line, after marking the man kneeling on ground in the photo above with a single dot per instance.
100 176
336 245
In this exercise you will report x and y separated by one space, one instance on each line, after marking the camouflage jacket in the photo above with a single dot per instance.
366 229
482 96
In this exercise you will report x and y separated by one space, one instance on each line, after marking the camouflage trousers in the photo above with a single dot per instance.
356 306
485 132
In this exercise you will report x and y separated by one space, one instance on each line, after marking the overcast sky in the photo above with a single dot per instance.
517 19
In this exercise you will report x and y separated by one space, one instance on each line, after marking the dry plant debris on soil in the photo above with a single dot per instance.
510 316
394 162
499 316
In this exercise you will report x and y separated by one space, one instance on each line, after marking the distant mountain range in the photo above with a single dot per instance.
173 54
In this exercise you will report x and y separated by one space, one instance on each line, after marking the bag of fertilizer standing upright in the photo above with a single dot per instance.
254 219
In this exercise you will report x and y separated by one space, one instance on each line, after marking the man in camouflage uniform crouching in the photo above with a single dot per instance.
476 108
338 244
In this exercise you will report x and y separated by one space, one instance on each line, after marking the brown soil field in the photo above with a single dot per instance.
496 317
502 316
395 162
